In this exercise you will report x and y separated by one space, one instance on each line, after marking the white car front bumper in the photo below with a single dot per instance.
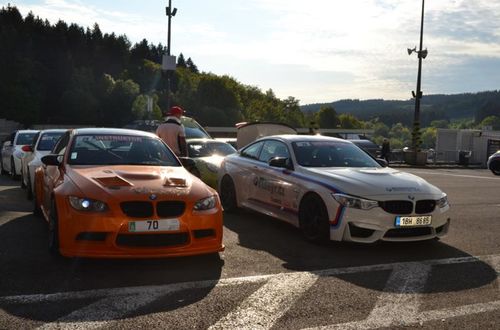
368 226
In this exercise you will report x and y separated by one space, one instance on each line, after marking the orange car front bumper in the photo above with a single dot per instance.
107 235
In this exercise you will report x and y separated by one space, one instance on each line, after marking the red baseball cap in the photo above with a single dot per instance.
175 110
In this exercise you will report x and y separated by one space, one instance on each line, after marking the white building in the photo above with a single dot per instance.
452 145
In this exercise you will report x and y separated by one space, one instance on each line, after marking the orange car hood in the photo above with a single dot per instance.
133 181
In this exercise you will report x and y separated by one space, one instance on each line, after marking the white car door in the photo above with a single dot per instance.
274 186
244 172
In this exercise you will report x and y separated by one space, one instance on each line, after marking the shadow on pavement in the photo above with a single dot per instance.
258 232
27 269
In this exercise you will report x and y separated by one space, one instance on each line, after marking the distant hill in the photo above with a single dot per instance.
433 107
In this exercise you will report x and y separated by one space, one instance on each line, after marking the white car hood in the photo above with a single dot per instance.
376 183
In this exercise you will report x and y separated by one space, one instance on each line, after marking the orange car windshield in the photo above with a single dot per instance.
112 149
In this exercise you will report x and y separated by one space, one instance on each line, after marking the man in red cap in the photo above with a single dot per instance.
172 132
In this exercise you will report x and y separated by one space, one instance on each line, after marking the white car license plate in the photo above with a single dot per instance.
424 220
153 225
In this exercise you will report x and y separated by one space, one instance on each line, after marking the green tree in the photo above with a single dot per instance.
492 121
118 104
400 132
181 61
442 123
429 137
291 112
79 101
327 117
347 120
140 107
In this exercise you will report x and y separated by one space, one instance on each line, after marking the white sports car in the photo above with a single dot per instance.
43 142
12 151
331 189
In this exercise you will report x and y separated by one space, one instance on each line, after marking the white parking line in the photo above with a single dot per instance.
168 288
266 305
104 310
398 304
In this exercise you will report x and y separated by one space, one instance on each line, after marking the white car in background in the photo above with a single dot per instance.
12 152
331 190
494 163
43 143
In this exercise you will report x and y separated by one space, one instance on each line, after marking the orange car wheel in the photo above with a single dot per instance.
53 231
36 208
29 191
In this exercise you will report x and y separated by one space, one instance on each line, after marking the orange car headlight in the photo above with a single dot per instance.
87 204
205 204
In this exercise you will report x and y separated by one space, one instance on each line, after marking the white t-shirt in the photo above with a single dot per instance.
170 131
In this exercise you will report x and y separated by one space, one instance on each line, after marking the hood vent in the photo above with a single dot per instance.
175 182
113 181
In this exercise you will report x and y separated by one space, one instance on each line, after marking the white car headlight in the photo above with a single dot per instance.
442 202
205 204
355 202
86 204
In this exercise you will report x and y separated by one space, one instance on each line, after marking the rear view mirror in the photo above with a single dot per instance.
187 162
51 160
281 162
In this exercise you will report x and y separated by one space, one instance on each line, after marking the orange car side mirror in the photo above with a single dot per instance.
51 160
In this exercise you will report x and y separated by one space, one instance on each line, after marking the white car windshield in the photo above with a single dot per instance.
331 154
120 150
48 140
25 138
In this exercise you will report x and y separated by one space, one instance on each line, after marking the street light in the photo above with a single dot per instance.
168 60
418 95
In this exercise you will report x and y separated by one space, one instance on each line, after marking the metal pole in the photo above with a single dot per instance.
169 14
418 96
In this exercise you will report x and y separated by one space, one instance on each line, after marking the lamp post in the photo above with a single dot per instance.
418 95
167 62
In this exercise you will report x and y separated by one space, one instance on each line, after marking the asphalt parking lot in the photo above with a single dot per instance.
268 276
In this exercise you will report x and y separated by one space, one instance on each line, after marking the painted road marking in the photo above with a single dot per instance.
169 288
104 310
266 305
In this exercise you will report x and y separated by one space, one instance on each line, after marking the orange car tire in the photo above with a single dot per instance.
53 225
36 208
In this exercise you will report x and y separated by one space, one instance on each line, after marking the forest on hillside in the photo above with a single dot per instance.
65 74
451 108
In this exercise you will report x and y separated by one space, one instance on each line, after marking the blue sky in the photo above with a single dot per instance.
317 50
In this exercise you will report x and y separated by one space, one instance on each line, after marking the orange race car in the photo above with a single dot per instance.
117 193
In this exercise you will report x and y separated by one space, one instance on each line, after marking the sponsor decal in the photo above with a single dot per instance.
270 186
